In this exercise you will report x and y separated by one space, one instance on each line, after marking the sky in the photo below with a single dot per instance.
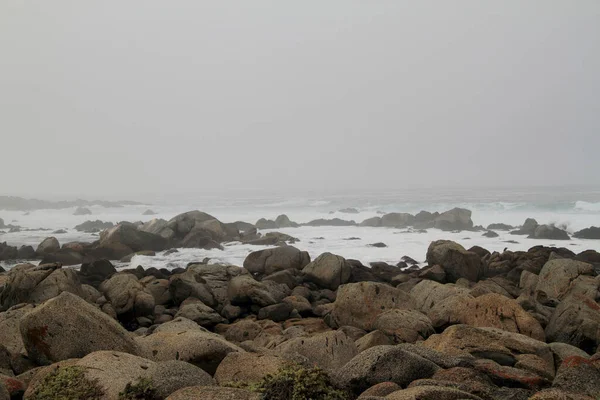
129 98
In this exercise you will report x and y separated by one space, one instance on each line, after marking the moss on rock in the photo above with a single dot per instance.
68 383
143 389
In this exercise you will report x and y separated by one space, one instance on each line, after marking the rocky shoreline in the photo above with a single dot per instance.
468 324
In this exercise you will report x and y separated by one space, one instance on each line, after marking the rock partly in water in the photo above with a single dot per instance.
82 211
549 232
592 232
457 219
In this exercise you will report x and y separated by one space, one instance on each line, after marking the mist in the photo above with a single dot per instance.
136 98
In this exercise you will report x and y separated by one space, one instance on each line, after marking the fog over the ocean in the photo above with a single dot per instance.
112 98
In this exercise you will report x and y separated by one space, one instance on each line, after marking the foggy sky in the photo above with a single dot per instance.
135 97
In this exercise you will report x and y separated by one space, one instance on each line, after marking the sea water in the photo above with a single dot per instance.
571 208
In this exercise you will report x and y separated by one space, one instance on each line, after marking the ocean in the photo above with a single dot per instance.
574 208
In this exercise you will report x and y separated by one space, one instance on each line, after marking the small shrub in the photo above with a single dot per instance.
143 389
68 383
297 383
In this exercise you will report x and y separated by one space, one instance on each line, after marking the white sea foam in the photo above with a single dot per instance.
574 215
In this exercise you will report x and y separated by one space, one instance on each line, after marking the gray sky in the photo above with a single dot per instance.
133 97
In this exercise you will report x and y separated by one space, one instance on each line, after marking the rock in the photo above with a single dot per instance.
378 244
384 271
48 245
149 212
203 349
576 321
35 284
397 220
457 219
213 393
10 334
157 288
490 310
170 376
93 226
558 276
330 222
200 313
189 284
490 234
159 227
500 227
266 224
380 364
95 272
593 232
435 273
59 232
243 330
578 375
248 367
359 304
82 211
127 295
63 256
329 350
456 261
349 210
136 240
563 351
372 339
68 327
404 326
549 232
431 392
245 290
26 253
269 261
282 221
380 390
528 228
276 312
328 271
504 348
371 222
129 257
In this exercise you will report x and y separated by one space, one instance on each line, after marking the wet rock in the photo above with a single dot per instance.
48 245
269 261
592 232
549 232
456 219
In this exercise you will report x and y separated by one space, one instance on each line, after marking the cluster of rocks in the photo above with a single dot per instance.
469 325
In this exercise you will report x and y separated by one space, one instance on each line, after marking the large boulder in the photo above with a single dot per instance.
576 321
578 376
456 261
489 310
96 272
528 227
397 220
28 283
383 364
127 295
245 290
10 334
359 304
269 261
457 219
504 348
189 284
283 221
69 327
328 271
200 313
404 326
427 294
203 349
329 350
213 393
48 245
593 232
558 276
93 226
128 235
248 367
550 232
157 226
371 222
215 278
